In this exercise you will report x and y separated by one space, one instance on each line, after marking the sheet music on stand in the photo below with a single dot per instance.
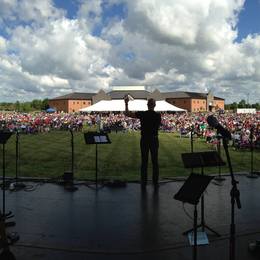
96 138
100 139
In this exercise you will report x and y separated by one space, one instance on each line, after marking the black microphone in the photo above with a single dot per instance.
213 122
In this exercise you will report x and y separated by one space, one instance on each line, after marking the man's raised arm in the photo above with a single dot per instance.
127 112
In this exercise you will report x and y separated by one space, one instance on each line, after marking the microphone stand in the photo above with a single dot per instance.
252 174
191 142
17 184
72 151
235 198
219 177
69 176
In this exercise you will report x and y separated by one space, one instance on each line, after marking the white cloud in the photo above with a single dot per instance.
2 44
193 39
168 44
29 11
7 9
91 11
61 48
37 10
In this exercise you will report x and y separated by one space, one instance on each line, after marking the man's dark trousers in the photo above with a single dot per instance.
151 144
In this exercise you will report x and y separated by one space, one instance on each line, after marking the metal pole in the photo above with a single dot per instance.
4 180
96 164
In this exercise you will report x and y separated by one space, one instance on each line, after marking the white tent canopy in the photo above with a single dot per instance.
133 105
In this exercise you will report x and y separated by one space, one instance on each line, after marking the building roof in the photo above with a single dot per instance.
76 96
136 94
186 94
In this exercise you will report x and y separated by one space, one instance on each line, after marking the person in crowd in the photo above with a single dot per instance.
150 123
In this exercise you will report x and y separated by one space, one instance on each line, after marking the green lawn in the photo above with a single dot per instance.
49 155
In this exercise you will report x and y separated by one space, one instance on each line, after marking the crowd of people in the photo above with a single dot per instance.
243 127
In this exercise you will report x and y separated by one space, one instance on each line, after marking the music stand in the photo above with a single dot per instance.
97 139
4 136
201 160
191 192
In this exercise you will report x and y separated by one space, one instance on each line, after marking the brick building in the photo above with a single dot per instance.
195 102
71 102
191 101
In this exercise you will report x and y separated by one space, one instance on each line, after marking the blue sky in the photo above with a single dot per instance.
53 47
249 21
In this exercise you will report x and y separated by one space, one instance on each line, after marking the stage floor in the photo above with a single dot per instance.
126 223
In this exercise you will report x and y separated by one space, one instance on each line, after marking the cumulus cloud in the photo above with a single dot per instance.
166 44
28 11
91 11
61 48
193 39
61 54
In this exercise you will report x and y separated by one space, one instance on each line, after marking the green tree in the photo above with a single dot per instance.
17 106
45 104
26 107
234 106
242 104
36 104
256 106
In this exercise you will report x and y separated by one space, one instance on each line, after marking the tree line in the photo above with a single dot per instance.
29 106
241 104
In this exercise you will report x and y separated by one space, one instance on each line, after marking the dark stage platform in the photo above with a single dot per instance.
125 223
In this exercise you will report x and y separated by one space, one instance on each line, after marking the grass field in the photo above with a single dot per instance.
49 155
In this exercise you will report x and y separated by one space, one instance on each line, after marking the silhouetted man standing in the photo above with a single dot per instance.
150 123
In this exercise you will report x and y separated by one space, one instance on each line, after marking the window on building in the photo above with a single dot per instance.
197 101
77 102
73 103
84 102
